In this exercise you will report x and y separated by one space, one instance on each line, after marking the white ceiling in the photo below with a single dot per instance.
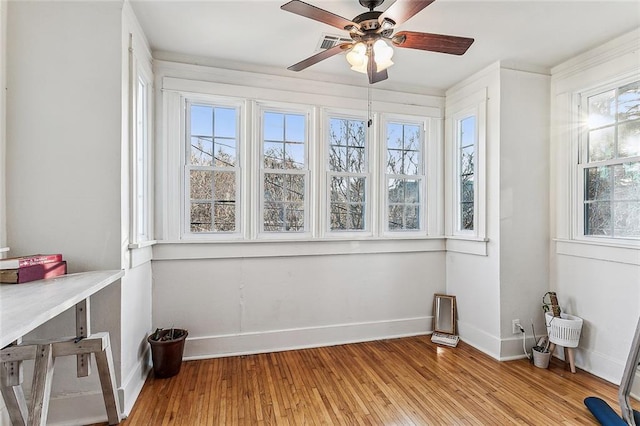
258 35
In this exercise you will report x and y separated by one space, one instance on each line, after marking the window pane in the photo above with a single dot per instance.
225 152
338 159
201 217
338 216
467 131
295 217
629 139
294 154
201 151
601 144
273 217
598 218
396 214
598 183
602 109
467 189
295 127
202 120
394 161
224 123
356 190
412 217
295 188
394 136
273 155
629 102
225 217
273 126
201 184
224 184
396 190
273 187
355 160
627 182
466 217
339 189
411 192
626 219
466 160
356 217
411 162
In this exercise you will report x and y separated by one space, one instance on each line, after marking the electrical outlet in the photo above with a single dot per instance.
515 326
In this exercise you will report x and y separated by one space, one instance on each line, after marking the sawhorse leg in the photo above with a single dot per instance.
44 354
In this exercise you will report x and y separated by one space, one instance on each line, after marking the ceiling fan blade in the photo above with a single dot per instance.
432 42
309 11
312 60
402 10
374 75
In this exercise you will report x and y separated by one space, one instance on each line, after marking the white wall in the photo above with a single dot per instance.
67 144
249 305
597 282
524 203
508 278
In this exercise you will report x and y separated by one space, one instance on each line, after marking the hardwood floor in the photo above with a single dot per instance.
408 381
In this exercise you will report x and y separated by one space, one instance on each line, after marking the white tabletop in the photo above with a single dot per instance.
23 307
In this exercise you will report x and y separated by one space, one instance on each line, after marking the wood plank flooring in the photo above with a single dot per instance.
408 381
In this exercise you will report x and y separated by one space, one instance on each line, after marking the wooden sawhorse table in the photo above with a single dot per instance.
23 307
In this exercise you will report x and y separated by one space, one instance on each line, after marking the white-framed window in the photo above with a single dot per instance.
465 188
141 149
212 168
347 175
608 181
284 171
466 146
404 175
239 164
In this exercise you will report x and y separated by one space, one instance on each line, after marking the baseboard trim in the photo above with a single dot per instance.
302 338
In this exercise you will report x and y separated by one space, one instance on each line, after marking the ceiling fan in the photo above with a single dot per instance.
368 52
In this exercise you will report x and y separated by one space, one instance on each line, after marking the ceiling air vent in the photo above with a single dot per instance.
328 41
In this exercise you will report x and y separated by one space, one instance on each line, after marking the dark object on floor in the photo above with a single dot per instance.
167 347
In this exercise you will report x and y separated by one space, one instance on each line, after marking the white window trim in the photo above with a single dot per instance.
368 231
579 163
241 169
309 173
141 72
425 132
475 104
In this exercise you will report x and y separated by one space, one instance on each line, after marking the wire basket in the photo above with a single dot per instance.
564 330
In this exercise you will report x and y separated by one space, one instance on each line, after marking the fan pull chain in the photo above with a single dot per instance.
369 113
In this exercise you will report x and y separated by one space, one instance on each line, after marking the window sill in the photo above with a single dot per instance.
600 251
258 248
142 244
467 245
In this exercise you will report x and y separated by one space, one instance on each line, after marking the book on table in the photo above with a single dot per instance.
35 272
35 259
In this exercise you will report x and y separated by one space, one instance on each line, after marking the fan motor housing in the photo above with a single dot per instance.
368 21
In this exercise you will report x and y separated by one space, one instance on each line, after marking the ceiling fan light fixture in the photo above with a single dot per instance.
383 54
357 58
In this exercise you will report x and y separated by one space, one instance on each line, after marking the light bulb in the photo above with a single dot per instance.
357 58
383 53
